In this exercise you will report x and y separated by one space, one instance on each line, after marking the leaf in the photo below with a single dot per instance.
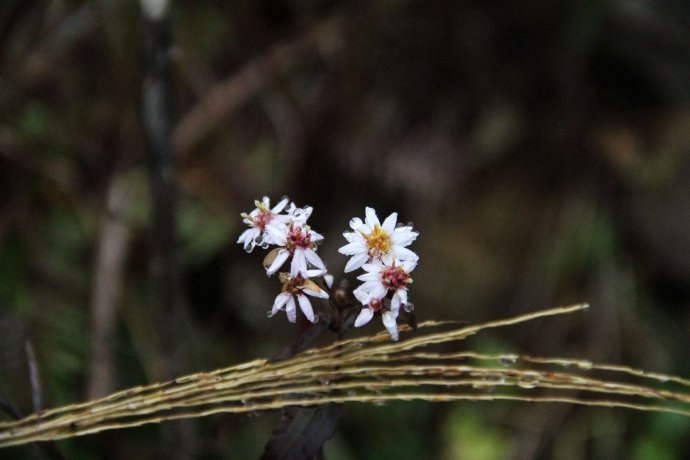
302 433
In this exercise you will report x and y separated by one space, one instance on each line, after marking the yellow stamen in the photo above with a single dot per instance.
260 206
378 241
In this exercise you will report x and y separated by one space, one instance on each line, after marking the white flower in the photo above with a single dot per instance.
261 220
371 240
296 288
381 280
296 240
371 306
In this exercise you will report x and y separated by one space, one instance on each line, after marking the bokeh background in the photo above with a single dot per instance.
539 147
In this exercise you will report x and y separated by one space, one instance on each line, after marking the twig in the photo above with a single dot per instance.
34 378
10 409
112 250
41 62
256 75
48 448
157 123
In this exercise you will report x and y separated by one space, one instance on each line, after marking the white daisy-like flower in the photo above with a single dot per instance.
372 305
380 280
260 220
296 240
372 240
296 288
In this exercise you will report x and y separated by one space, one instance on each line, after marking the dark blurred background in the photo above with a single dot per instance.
539 147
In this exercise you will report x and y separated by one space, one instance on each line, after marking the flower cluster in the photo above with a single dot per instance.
285 226
380 249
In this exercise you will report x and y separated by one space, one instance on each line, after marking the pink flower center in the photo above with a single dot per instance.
298 238
395 278
376 305
262 219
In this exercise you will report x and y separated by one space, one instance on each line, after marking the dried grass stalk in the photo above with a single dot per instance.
369 370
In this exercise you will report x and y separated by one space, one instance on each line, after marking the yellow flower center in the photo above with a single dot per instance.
378 242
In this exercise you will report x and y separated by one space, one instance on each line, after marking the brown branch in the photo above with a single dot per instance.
257 74
42 61
112 251
157 125
34 377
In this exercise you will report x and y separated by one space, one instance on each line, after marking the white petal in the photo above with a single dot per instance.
388 225
403 236
370 285
290 310
395 302
299 263
409 265
315 274
356 223
355 262
390 324
313 289
280 301
350 236
370 276
402 294
300 215
314 259
280 259
305 305
321 294
374 266
280 206
387 259
329 280
364 316
404 253
315 236
306 212
371 219
376 290
388 318
353 248
244 235
362 295
278 236
248 237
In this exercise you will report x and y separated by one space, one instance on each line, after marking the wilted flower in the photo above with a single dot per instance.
371 240
261 220
295 288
